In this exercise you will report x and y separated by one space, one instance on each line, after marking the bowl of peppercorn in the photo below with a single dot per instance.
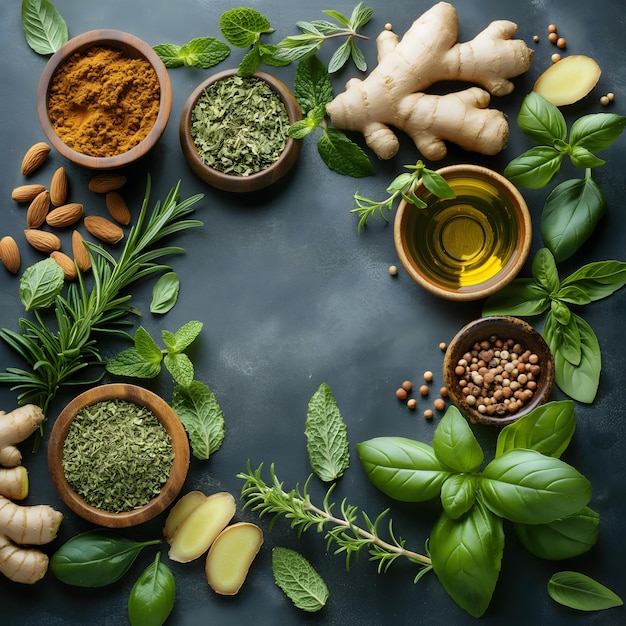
104 99
497 369
234 131
118 455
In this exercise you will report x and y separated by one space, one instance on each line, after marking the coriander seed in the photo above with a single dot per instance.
412 403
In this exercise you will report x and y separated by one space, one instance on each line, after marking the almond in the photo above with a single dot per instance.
34 157
10 254
81 256
103 183
42 240
26 193
65 215
58 187
118 208
66 264
103 229
38 210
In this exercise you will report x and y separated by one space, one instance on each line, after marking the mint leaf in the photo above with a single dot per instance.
180 367
170 54
40 284
327 436
342 155
577 591
312 86
242 26
44 28
146 347
131 364
201 415
250 63
204 52
299 580
340 57
186 334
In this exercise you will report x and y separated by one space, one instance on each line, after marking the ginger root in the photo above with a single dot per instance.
393 94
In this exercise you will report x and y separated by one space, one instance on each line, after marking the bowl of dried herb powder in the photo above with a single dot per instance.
118 455
234 131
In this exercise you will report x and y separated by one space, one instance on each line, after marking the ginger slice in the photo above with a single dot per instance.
180 511
568 80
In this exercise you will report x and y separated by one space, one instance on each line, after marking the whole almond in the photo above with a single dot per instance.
34 157
103 229
65 215
103 183
38 210
81 256
66 264
118 208
42 240
59 187
26 193
10 254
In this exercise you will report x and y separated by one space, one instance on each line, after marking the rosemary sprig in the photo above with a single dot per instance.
296 506
57 357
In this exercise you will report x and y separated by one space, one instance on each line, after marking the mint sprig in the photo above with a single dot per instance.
202 52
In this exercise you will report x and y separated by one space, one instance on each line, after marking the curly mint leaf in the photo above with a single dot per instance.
241 27
40 284
342 155
577 591
44 28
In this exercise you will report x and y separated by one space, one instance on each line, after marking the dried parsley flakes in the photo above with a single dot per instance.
239 125
117 455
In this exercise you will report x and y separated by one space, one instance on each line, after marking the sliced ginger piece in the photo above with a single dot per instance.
568 80
180 511
230 557
197 531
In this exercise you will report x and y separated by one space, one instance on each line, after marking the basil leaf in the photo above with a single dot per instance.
540 120
548 429
466 556
583 158
95 558
534 168
437 184
201 415
44 28
597 280
327 436
560 312
339 58
241 26
597 131
299 580
146 347
181 368
404 469
544 270
132 364
454 443
531 488
312 86
152 596
573 295
570 215
565 336
564 538
458 494
521 296
342 155
581 592
40 284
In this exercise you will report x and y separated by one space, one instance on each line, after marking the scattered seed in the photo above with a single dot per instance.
610 96
443 392
556 57
536 38
443 346
553 37
424 390
412 403
393 270
552 28
561 43
439 404
401 394
428 376
428 414
407 385
604 101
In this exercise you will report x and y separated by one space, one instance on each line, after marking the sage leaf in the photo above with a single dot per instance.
165 293
202 417
458 494
522 297
327 436
342 155
132 364
312 86
548 429
528 487
40 284
44 28
454 443
202 52
402 468
535 168
299 580
466 556
95 558
541 121
597 131
147 347
181 368
152 596
241 26
570 215
596 280
544 270
564 538
577 591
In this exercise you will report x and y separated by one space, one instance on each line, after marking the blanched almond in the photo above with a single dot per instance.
38 210
66 264
26 193
65 215
118 208
103 183
103 229
10 254
81 256
34 157
58 187
42 240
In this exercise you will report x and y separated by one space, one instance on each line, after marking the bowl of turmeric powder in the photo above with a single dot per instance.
104 99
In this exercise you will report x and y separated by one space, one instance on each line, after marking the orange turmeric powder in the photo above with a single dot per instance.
102 102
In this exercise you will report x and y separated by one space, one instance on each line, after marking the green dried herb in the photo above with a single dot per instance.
239 126
117 455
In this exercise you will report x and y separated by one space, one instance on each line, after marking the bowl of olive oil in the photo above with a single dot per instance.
470 246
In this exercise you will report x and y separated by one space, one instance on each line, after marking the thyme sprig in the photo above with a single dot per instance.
296 505
56 358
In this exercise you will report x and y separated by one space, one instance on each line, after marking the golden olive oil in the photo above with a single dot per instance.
463 241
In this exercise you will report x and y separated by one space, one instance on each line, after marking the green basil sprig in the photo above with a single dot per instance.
152 597
576 350
577 591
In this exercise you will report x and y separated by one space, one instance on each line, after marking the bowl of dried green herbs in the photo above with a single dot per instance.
234 131
118 455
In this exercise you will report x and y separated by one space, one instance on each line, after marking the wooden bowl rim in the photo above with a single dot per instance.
258 180
130 44
167 417
501 279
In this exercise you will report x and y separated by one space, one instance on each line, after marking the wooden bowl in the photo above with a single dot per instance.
132 47
502 327
229 182
167 417
469 247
